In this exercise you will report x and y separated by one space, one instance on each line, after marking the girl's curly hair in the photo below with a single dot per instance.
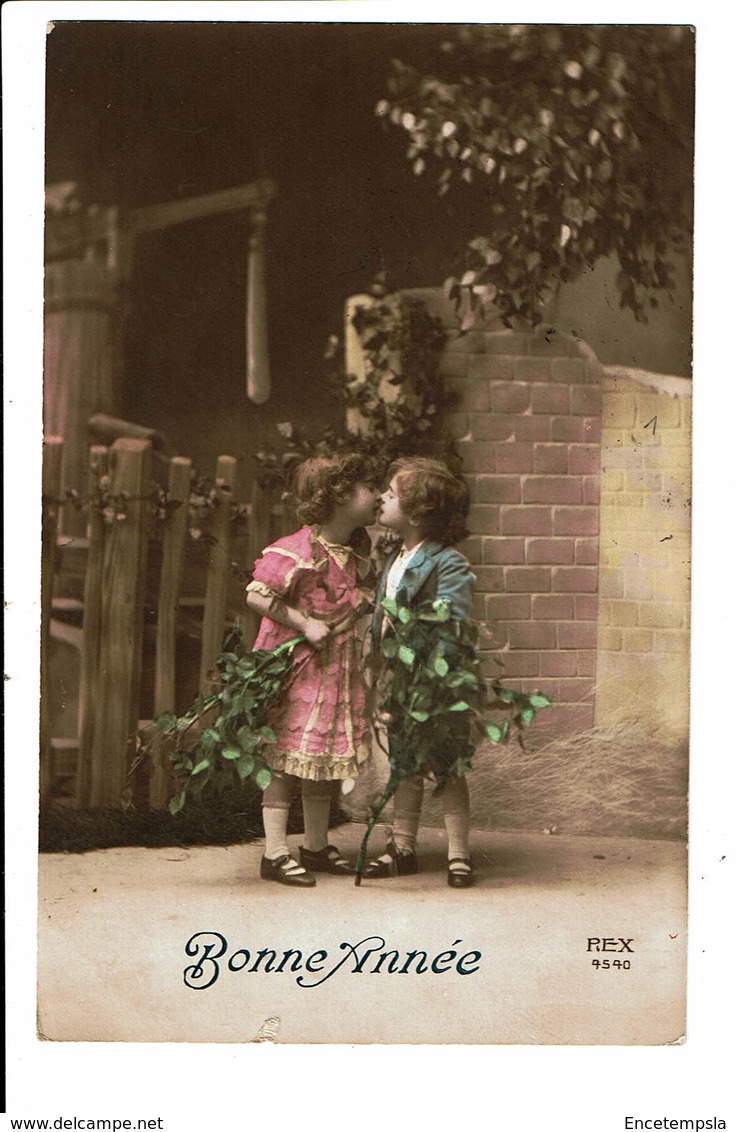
323 482
432 495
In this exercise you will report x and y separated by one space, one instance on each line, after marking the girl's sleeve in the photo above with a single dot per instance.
275 572
455 585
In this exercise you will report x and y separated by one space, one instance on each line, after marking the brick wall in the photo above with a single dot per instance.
528 426
645 551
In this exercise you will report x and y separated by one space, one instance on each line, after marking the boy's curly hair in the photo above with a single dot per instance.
433 496
322 482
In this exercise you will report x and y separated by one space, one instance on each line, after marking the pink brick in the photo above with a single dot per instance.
531 635
519 664
550 459
574 691
481 367
570 429
506 342
471 342
509 397
530 428
498 426
475 396
587 608
483 426
512 457
477 455
498 489
547 342
558 664
563 719
575 521
489 579
569 370
508 607
553 607
528 579
458 424
591 490
526 521
586 400
577 635
550 551
592 430
532 369
586 551
472 549
552 489
583 459
483 519
505 551
549 688
586 663
453 367
574 579
551 399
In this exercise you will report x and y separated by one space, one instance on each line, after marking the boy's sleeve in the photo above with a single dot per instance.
455 584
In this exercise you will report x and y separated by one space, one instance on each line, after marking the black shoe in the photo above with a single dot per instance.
460 878
285 870
327 860
403 863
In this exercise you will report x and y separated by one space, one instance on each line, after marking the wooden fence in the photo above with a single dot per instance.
112 569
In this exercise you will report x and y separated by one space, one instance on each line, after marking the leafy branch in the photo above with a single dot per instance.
435 697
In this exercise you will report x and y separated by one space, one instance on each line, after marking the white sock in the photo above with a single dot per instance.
275 830
457 818
407 807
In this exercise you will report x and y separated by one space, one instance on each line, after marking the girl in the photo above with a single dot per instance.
427 506
310 583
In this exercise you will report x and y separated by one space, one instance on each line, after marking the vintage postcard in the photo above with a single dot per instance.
366 551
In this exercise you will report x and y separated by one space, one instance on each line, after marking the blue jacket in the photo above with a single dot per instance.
436 572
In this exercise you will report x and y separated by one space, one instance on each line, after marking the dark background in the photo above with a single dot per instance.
140 113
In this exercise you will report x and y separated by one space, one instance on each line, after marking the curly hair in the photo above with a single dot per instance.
433 496
321 483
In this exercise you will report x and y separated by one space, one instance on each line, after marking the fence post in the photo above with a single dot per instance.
175 536
124 569
91 626
53 451
216 593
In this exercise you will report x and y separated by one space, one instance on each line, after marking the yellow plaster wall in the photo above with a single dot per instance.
645 518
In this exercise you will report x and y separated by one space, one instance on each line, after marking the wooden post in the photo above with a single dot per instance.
216 594
91 626
124 571
257 345
53 451
180 472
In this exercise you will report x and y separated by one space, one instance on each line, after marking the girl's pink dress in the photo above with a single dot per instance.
320 726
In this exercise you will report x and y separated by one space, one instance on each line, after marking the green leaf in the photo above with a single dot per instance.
167 721
231 753
267 734
493 732
390 606
506 694
406 655
404 615
244 767
441 666
461 705
420 716
263 777
539 699
176 803
527 715
203 764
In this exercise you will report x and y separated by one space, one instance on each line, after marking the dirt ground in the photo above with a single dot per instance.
123 938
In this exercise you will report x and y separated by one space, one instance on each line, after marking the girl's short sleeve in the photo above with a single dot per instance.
276 570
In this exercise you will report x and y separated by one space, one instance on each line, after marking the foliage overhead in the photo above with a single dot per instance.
578 140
